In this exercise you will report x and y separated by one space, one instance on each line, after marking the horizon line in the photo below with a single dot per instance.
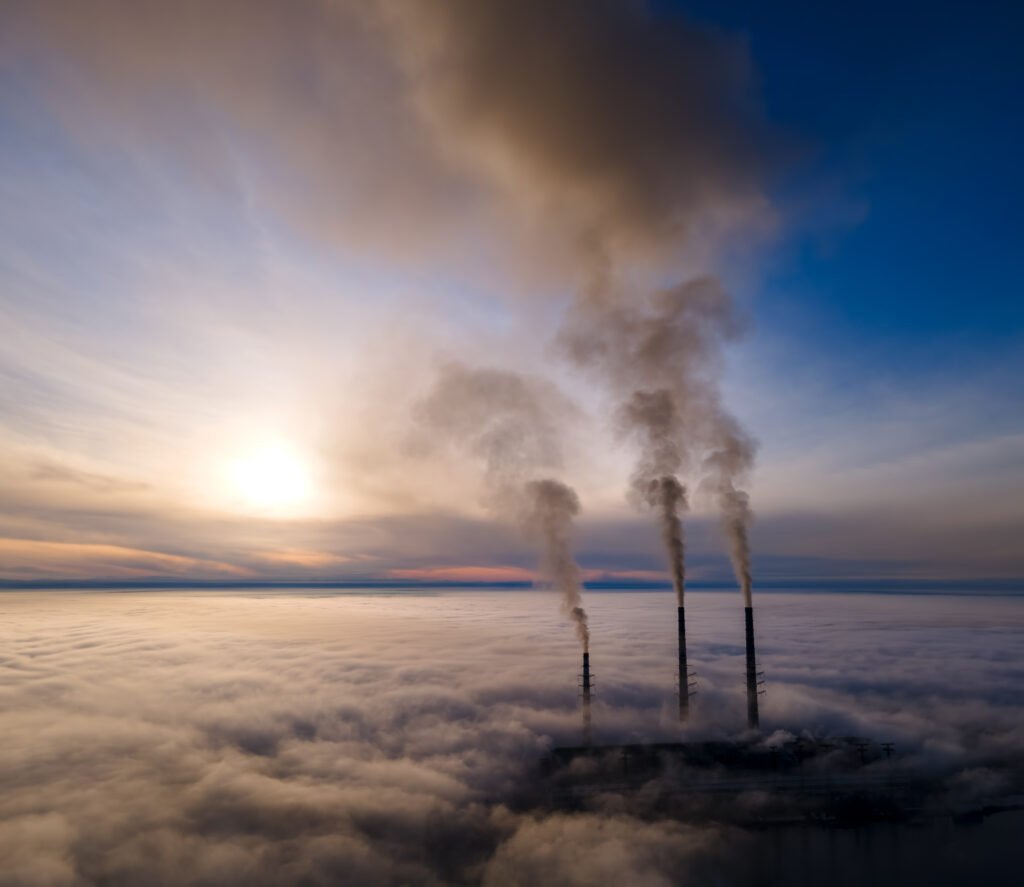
904 586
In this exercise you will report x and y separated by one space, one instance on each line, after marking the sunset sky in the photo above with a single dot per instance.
240 241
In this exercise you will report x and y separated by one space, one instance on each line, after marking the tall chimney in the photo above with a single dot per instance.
752 716
586 699
684 674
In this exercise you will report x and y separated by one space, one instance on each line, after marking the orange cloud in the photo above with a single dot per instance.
31 558
299 557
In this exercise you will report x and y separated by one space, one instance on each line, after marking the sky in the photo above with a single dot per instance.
243 245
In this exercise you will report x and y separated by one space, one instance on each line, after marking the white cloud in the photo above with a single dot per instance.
270 738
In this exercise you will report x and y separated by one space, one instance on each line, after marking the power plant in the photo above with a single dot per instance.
750 779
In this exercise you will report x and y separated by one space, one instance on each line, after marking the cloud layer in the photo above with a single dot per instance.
281 738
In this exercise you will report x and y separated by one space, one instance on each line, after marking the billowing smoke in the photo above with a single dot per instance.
669 497
662 356
547 130
552 507
651 416
512 424
646 148
728 463
629 134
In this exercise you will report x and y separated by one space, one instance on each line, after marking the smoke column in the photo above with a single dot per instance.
650 417
735 507
669 497
552 508
729 462
513 423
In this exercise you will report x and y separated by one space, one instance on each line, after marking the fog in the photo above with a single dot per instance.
289 737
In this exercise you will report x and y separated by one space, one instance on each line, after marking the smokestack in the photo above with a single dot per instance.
684 673
752 716
586 700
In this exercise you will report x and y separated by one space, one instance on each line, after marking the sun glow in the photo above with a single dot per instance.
271 478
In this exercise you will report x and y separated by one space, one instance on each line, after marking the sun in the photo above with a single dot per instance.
271 478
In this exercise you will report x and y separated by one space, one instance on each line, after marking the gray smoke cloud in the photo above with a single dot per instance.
512 425
647 140
552 507
669 496
729 462
652 418
663 356
629 132
548 130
